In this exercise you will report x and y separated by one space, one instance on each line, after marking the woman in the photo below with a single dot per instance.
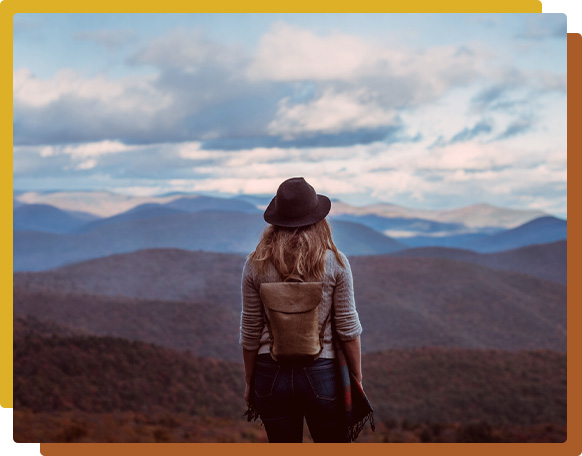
298 242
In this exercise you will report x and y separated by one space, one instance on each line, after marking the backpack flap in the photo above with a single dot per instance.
291 297
293 318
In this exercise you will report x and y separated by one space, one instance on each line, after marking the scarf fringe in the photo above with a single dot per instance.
251 414
355 429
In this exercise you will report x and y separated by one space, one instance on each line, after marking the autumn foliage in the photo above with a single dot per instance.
78 388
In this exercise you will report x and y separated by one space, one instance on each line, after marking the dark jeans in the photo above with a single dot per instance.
284 394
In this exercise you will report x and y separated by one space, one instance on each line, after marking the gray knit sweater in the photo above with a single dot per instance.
338 290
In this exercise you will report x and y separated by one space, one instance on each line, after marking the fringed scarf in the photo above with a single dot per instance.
357 407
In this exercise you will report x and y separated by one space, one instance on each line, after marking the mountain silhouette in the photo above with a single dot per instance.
547 261
46 218
216 231
208 203
539 231
191 300
141 212
477 216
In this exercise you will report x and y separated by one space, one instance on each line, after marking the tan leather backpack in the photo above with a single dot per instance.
292 317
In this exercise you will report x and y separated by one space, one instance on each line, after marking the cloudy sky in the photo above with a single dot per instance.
428 111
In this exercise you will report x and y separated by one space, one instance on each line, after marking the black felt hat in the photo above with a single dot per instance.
296 204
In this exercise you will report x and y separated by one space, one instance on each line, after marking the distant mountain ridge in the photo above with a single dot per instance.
157 274
220 231
43 217
47 237
539 231
404 224
156 226
99 203
106 204
475 216
207 203
402 302
547 261
141 212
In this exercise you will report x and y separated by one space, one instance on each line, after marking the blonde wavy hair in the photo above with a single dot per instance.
300 251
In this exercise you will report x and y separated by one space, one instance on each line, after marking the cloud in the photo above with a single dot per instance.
87 164
288 53
516 127
471 172
116 160
299 89
71 109
192 151
32 91
79 151
545 81
396 78
338 63
191 97
37 162
82 156
187 50
367 119
126 95
512 89
86 150
291 53
519 93
354 83
550 26
454 174
469 133
109 39
464 155
488 96
405 172
331 112
208 106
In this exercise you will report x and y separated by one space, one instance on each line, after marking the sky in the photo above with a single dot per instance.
428 111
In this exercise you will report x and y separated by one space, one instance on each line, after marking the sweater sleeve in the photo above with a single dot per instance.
347 321
252 319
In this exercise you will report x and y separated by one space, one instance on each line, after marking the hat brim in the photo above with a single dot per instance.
319 213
